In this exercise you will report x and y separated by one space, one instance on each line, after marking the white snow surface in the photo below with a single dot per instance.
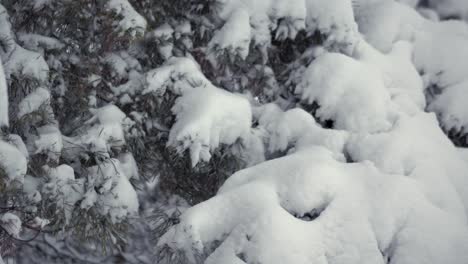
309 208
402 196
349 92
11 223
297 128
33 101
63 189
39 43
28 63
49 142
440 50
110 191
207 117
235 35
177 74
131 21
417 148
12 162
333 18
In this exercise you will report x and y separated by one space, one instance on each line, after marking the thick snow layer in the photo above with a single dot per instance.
384 22
334 18
417 148
207 117
297 128
235 34
11 223
439 58
441 55
309 208
33 101
177 74
107 115
451 107
28 63
105 129
12 162
18 142
3 98
295 9
438 52
131 21
398 72
349 92
463 153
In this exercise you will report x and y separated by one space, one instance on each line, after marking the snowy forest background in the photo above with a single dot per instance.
234 131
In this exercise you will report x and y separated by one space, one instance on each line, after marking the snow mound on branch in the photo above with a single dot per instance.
207 117
6 34
108 125
108 114
343 214
294 9
121 64
177 74
27 63
451 107
443 59
12 224
349 92
39 43
439 58
49 142
129 165
131 21
164 32
12 162
104 131
384 22
440 54
17 141
63 189
4 120
297 128
332 18
398 73
110 192
417 148
33 101
235 34
335 19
